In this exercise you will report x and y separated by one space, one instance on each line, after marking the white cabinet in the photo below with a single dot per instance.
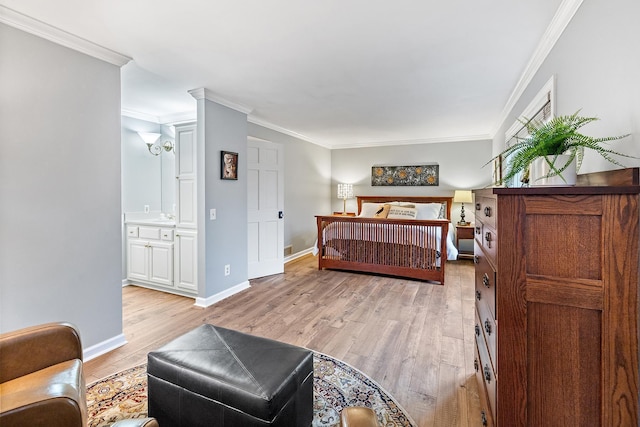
150 254
186 168
186 261
153 257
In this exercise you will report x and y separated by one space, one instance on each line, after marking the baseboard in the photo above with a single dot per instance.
206 302
298 255
103 347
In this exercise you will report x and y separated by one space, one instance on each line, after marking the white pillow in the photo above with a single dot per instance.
400 212
428 210
368 210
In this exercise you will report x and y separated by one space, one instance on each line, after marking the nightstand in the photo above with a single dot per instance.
464 232
348 214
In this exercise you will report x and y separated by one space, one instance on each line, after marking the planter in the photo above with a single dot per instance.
540 168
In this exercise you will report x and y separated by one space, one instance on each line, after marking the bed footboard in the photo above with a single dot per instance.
398 247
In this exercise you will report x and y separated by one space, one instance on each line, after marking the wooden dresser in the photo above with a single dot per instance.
557 303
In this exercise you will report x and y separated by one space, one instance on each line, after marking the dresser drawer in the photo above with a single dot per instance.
485 277
489 330
485 370
486 210
486 416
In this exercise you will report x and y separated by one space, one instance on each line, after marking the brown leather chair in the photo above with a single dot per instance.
41 379
358 416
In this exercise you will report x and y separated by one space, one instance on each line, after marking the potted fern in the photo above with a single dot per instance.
552 152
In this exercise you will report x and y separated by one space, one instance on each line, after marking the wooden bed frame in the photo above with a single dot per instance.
388 258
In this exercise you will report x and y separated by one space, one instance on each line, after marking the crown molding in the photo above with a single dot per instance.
169 119
269 125
58 36
140 116
204 93
565 13
435 140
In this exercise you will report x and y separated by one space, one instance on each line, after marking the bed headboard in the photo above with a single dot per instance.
414 199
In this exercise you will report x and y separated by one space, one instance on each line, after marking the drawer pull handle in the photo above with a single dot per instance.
483 418
477 230
487 211
477 329
477 206
487 236
487 326
478 295
476 259
487 374
476 365
486 281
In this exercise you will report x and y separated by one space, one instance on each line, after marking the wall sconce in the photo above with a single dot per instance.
168 146
151 138
345 191
462 196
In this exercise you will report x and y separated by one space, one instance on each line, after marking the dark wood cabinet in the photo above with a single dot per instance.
557 304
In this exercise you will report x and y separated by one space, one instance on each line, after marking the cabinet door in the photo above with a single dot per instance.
138 260
161 263
186 256
186 171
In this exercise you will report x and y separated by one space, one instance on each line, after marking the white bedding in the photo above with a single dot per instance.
385 233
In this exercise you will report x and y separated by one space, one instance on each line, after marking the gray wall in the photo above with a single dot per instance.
225 237
596 63
307 185
460 165
60 230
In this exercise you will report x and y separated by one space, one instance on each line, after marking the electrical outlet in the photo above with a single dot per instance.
227 270
212 214
146 208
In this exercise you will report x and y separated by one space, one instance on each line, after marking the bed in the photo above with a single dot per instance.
391 235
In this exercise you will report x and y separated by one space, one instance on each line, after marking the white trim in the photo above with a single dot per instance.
435 140
297 255
204 93
561 19
269 125
548 91
61 37
103 347
169 119
206 302
140 116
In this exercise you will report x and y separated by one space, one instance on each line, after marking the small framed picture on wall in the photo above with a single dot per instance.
229 163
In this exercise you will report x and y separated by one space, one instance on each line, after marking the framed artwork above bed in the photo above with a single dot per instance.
420 175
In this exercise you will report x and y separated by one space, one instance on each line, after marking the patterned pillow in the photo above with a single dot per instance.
401 212
383 211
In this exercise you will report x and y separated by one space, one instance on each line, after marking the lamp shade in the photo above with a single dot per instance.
345 191
462 196
148 137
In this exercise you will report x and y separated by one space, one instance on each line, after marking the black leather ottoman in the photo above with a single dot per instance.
213 376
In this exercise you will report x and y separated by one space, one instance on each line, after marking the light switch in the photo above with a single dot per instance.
212 214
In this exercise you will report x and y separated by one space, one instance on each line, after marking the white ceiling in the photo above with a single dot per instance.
339 73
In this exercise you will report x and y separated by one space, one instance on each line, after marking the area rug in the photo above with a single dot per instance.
336 385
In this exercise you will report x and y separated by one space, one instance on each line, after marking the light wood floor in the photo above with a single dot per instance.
415 339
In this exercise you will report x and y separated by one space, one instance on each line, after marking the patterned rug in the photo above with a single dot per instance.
336 385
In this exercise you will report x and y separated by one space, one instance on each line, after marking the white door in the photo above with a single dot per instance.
265 182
